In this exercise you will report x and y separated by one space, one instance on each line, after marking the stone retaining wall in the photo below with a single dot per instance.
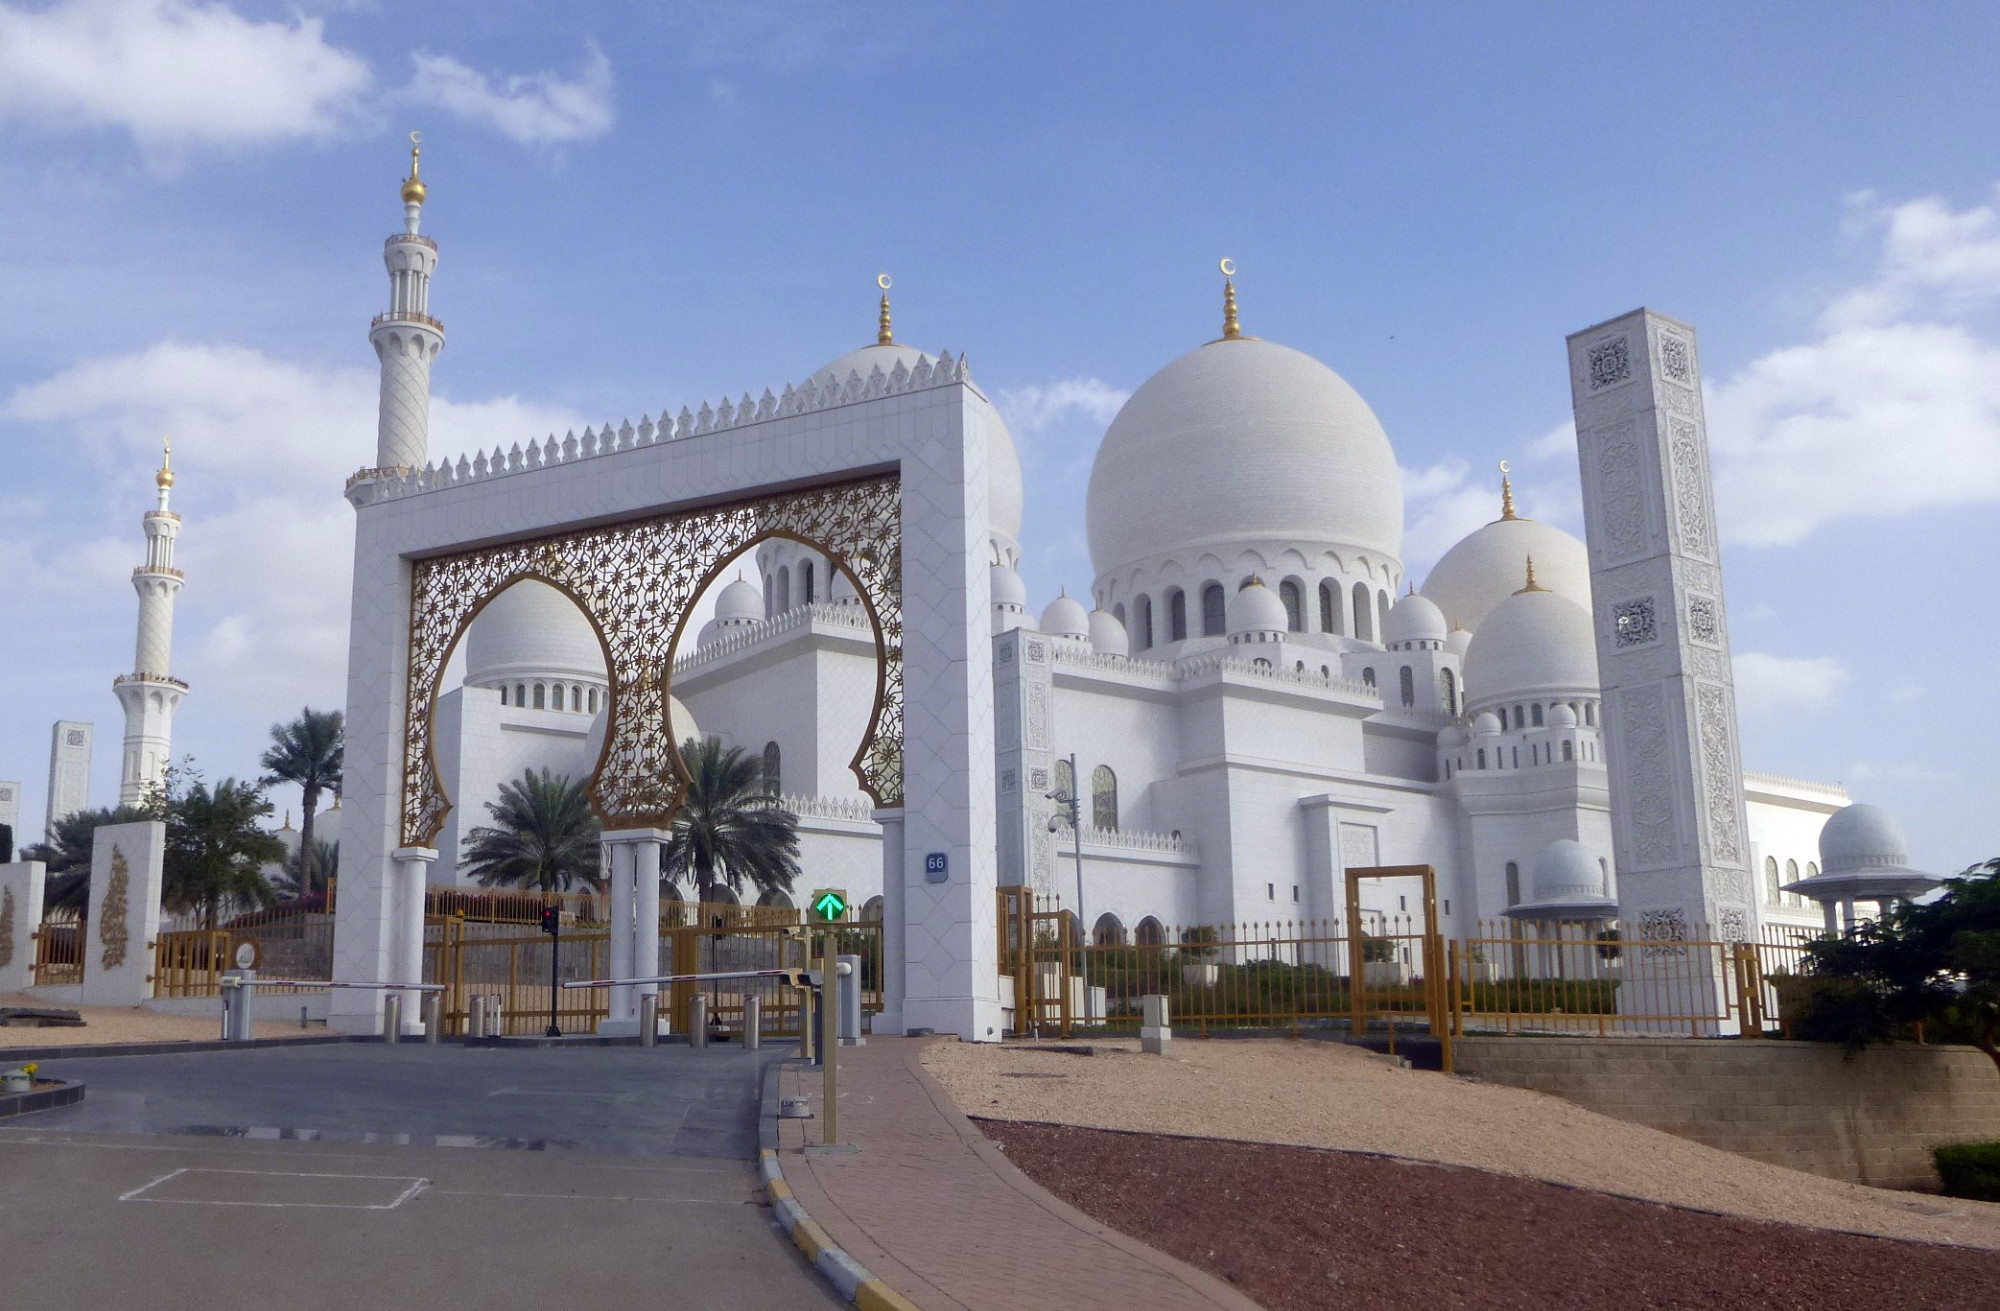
1870 1117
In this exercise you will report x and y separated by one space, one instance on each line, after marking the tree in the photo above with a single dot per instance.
216 851
1936 964
308 752
545 837
68 854
729 827
301 878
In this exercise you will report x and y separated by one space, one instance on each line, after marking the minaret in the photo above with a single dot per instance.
150 694
407 338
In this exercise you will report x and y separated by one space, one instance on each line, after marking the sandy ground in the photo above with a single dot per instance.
104 1024
1316 1094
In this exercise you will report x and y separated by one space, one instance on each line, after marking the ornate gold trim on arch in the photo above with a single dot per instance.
636 582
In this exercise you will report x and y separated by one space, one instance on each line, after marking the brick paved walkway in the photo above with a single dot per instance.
937 1211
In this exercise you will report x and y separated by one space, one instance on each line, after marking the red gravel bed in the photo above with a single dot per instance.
1301 1228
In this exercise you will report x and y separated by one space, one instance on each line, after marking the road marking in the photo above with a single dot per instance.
585 1197
416 1185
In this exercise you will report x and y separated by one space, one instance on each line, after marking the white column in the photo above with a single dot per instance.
623 852
126 867
646 913
412 866
895 902
21 885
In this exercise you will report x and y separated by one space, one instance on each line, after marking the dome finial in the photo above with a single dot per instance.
1532 586
1506 494
414 190
165 477
883 337
1230 330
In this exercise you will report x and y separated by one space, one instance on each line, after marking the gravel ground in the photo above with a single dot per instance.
104 1024
1316 1094
1301 1229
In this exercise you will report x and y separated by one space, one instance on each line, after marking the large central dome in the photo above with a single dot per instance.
1243 442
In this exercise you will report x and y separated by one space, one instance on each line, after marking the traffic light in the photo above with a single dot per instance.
551 920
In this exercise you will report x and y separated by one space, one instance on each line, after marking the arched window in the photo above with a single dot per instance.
520 694
806 593
1329 607
1520 720
1368 676
1364 621
1177 616
1482 757
555 696
1142 623
1295 605
1569 752
1261 663
1771 879
1065 780
541 696
1590 714
784 590
1382 612
575 697
503 694
1108 931
1513 884
871 911
1118 613
1448 685
593 701
1103 798
1325 672
773 769
1150 933
1537 713
1812 870
775 897
1791 871
1214 619
1408 680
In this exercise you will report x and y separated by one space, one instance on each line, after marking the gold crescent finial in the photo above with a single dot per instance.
414 189
1230 330
165 477
883 337
1507 498
1532 586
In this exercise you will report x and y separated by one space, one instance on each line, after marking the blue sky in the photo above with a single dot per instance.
641 207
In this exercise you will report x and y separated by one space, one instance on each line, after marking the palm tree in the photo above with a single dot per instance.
729 828
308 753
68 854
216 850
301 879
546 839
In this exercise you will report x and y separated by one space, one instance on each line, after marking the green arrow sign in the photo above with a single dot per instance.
829 904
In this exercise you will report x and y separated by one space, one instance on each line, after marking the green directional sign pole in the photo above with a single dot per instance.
830 904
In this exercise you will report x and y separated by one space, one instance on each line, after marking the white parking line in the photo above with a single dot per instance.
416 1185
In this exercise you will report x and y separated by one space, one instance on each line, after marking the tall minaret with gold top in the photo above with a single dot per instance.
150 693
406 338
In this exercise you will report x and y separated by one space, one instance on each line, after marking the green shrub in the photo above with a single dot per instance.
1377 951
1969 1170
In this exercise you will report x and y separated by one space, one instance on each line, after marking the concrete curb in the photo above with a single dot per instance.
82 1051
848 1276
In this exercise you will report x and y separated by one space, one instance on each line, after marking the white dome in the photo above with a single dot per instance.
1003 462
1256 609
1243 441
1457 641
1534 644
1861 836
1414 618
1486 567
1107 635
1065 617
740 602
1566 872
1487 723
1562 717
531 630
1007 587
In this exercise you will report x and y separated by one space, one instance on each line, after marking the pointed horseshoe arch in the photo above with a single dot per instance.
636 582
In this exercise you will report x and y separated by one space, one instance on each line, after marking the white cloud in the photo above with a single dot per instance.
1771 684
1443 502
174 73
531 108
1039 406
263 447
1901 771
1894 408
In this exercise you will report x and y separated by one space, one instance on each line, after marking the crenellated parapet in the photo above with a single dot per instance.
369 486
820 613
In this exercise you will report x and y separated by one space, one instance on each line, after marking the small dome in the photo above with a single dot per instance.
1567 873
1562 717
1861 836
1414 618
1065 617
1008 589
740 602
1107 635
1456 642
1484 569
530 630
1487 725
1535 644
1256 609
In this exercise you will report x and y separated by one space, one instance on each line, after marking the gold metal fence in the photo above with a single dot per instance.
287 942
59 950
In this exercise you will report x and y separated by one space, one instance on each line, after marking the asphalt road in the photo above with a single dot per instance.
363 1175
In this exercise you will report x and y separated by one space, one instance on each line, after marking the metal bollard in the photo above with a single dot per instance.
392 1018
433 1017
476 1022
753 1022
496 1017
698 1020
649 1019
849 975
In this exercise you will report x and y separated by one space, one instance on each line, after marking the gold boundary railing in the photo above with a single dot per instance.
59 951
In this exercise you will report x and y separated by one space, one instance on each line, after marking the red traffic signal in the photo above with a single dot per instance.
551 920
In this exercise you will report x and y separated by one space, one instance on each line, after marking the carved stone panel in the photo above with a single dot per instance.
1633 623
1622 492
1690 466
1718 770
1610 363
1648 795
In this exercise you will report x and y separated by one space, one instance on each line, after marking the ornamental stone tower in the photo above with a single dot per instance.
406 338
1677 817
150 693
